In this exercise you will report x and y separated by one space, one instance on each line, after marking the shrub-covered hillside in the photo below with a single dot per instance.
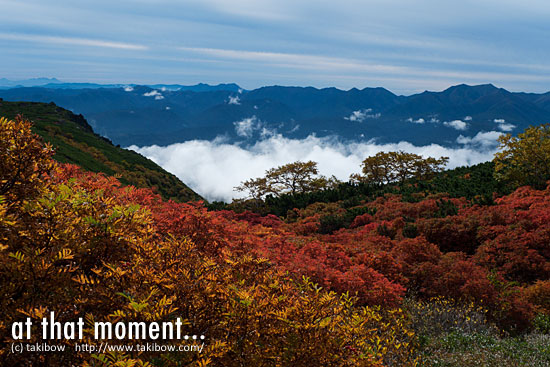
76 243
75 142
438 280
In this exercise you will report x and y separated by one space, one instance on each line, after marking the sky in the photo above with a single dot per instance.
402 45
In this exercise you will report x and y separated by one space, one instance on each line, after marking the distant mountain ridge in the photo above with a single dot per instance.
33 82
54 83
164 114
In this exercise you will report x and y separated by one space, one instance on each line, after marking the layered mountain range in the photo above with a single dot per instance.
165 114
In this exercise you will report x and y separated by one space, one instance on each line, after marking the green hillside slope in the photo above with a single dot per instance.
75 142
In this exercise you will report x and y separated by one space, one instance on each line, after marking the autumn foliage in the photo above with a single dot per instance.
387 167
264 290
525 159
81 245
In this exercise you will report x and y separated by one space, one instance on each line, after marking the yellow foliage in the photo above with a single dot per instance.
525 159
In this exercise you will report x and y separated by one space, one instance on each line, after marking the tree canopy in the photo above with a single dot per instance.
387 167
293 178
525 159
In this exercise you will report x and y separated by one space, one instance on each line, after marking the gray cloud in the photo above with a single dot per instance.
214 168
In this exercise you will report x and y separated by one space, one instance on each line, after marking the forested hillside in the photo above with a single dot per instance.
75 142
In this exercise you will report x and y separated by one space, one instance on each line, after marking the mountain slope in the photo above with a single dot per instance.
75 142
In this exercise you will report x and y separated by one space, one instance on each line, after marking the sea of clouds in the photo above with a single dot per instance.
214 168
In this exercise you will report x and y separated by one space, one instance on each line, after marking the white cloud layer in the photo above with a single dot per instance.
506 127
234 100
154 93
456 124
214 168
71 41
503 126
246 127
362 115
482 140
419 121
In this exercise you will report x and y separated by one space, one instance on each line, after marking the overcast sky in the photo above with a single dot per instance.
405 46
